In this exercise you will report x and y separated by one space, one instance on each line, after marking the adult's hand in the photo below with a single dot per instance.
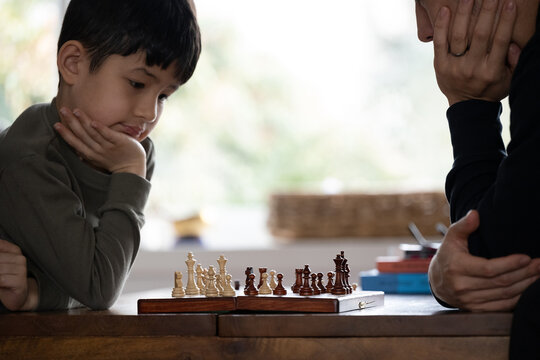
475 63
474 283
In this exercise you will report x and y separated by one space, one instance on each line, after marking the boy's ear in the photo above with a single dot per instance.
72 60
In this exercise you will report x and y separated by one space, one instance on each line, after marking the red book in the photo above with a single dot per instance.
396 264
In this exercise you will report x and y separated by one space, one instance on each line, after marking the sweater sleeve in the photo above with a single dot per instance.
72 260
505 189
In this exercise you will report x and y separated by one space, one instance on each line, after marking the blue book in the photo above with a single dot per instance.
395 283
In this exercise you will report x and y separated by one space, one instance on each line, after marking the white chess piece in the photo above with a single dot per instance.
222 271
211 290
273 283
200 278
265 289
178 290
218 285
191 288
229 290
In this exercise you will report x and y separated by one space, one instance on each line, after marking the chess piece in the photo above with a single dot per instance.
200 283
262 270
178 290
236 285
222 261
330 283
251 289
339 289
218 285
265 288
347 271
211 290
249 270
314 287
228 290
344 266
279 290
306 289
354 286
320 284
273 279
298 283
191 288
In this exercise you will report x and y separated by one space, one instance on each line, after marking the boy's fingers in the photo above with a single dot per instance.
514 52
503 35
90 130
8 247
484 27
75 123
440 36
74 141
458 38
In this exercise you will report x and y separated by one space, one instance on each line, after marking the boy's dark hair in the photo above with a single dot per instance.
166 30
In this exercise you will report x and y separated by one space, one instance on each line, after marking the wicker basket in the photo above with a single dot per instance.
355 215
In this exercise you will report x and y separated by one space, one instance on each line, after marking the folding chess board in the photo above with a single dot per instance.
324 303
211 291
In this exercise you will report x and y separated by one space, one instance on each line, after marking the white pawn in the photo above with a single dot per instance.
228 291
211 290
191 288
265 289
273 283
178 290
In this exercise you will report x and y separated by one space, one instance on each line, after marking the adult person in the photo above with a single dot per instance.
483 51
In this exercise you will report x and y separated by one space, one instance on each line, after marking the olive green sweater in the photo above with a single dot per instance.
79 228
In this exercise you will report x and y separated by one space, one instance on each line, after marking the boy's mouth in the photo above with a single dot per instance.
133 131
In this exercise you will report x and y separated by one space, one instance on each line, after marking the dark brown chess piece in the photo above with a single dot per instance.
298 284
252 290
344 266
261 271
330 283
249 270
279 290
306 289
320 284
316 290
347 271
339 289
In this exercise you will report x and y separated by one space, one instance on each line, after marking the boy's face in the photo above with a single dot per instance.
124 93
427 10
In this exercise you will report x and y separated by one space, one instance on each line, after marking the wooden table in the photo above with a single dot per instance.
406 327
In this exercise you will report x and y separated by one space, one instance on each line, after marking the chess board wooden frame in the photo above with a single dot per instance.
324 303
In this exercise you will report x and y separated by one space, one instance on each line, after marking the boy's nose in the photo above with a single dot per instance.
147 110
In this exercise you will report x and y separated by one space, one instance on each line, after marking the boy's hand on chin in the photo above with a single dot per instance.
101 146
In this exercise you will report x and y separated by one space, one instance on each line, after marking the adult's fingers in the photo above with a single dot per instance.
440 36
8 247
459 35
484 28
503 36
492 306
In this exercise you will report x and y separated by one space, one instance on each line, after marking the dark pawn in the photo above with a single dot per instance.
249 270
252 290
306 289
320 284
330 283
279 290
261 271
316 290
298 284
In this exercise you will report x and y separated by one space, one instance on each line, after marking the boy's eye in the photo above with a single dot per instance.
136 85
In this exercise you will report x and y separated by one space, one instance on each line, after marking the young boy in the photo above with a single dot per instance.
74 174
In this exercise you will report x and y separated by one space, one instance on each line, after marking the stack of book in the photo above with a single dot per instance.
398 275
